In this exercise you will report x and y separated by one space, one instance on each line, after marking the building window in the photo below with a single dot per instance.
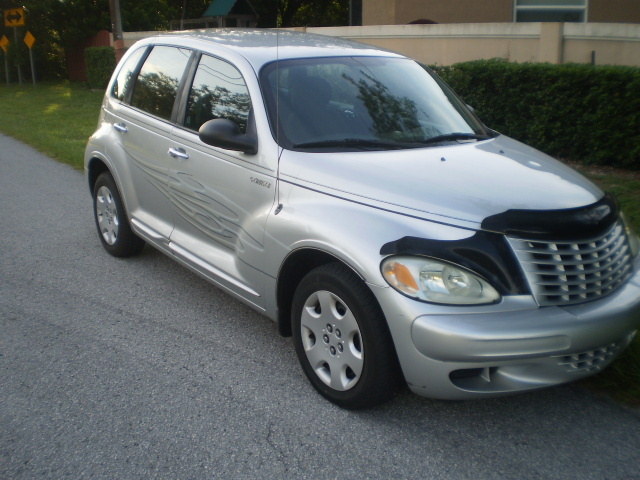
550 10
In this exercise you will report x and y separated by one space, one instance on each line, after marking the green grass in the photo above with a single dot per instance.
58 120
55 119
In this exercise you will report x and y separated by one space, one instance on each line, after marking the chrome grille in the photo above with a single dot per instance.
569 272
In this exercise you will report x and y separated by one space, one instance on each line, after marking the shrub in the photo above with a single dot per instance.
101 61
577 112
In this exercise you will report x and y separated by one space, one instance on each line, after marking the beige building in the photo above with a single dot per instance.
399 12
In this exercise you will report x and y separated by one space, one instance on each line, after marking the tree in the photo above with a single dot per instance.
47 50
322 14
300 13
58 25
188 8
278 13
62 24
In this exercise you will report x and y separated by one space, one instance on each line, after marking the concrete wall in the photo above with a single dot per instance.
445 44
130 38
612 44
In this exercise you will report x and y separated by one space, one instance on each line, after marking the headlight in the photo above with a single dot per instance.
438 282
634 242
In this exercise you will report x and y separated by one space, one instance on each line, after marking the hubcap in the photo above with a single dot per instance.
107 214
332 341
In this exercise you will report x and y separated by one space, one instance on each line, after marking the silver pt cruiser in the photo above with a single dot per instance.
350 196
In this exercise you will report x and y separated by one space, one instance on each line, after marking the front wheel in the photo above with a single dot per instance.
111 219
342 340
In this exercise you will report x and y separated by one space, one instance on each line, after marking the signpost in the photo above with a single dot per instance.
14 17
4 41
29 39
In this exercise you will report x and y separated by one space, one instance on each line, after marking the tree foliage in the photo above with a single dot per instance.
60 24
301 13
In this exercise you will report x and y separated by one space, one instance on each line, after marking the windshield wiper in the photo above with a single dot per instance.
455 136
354 143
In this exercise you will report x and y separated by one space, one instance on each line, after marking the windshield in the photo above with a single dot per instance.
354 103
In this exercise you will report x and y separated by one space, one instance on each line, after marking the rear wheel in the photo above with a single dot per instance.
111 219
342 340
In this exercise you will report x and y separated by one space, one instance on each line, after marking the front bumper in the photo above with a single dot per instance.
459 352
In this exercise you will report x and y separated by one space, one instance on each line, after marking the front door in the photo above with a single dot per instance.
220 198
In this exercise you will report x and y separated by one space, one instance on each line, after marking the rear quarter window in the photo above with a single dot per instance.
124 82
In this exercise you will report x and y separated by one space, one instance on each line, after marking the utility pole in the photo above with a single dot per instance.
184 9
116 28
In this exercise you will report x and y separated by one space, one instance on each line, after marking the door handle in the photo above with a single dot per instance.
178 153
120 127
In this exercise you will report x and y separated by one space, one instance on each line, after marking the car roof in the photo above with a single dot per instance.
261 46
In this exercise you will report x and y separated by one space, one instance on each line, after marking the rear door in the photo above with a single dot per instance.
143 120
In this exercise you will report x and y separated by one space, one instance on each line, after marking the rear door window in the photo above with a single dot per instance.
159 79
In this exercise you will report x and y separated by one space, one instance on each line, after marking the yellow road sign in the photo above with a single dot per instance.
4 42
14 17
29 39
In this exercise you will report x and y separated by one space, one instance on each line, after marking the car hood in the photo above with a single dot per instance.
459 184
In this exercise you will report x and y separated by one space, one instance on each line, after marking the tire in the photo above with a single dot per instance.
111 219
342 339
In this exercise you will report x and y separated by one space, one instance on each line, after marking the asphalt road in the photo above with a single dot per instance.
127 369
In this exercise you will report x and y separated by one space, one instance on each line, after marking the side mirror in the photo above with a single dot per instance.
225 133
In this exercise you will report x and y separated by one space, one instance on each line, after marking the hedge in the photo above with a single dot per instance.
101 61
575 112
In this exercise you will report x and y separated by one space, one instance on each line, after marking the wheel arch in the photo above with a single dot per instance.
294 268
96 167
